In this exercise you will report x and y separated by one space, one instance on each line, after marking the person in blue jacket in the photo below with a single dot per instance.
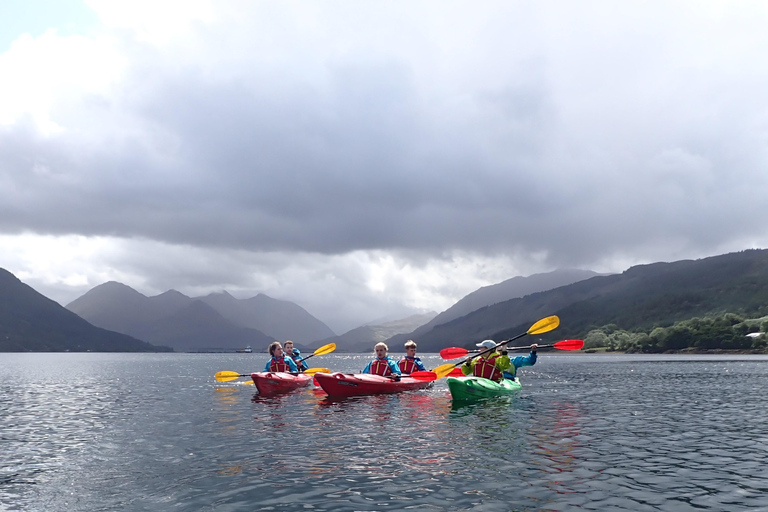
409 362
519 362
382 364
278 362
294 354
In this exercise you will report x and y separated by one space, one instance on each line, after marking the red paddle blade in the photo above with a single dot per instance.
569 345
422 375
453 353
456 372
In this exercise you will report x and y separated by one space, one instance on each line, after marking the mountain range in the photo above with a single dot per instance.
506 290
216 322
363 338
640 298
30 322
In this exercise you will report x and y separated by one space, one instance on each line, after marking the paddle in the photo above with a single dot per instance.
540 327
422 375
226 376
454 352
325 349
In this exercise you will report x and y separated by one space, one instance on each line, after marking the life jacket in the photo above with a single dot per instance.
487 368
296 356
408 364
279 365
379 367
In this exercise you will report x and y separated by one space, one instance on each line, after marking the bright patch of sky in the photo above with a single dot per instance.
35 17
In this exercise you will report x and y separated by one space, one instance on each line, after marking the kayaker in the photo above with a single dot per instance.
490 365
519 362
410 363
294 354
382 364
278 362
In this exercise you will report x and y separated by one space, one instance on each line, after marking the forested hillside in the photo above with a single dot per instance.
638 300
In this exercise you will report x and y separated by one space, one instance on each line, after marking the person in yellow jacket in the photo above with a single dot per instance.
490 365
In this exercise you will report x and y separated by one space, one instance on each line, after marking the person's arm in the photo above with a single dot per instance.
468 368
394 367
528 360
300 364
266 366
291 365
419 364
503 363
367 369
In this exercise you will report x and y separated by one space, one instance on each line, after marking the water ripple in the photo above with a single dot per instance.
155 432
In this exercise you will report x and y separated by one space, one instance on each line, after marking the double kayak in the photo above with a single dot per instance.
270 383
473 388
349 384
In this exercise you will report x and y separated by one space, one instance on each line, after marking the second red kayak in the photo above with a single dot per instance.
348 384
270 383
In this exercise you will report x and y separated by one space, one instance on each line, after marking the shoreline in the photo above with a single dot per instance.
694 352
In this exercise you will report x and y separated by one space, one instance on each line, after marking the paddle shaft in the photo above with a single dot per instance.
518 348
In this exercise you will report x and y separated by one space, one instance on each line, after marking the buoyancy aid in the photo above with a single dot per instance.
279 365
486 368
408 365
380 367
296 356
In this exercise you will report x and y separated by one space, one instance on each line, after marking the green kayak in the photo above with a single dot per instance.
473 388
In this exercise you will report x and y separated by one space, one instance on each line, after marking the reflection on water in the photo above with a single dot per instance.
155 432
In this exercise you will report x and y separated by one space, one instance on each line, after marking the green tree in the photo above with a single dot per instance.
595 338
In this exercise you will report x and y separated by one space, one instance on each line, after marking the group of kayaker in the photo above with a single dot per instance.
493 364
284 358
385 366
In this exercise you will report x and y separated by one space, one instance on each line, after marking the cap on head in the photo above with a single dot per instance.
487 344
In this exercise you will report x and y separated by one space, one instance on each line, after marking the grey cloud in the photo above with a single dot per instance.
583 145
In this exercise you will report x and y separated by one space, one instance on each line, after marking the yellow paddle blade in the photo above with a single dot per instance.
312 371
544 325
227 376
443 370
325 349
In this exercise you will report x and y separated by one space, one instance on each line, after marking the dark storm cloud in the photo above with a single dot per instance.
570 139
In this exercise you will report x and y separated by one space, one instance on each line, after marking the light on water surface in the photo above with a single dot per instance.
135 432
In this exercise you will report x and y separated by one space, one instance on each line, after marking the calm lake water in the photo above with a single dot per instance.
150 432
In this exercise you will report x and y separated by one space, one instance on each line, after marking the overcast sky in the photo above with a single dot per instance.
366 158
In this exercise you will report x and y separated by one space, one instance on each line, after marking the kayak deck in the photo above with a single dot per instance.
270 383
357 384
474 388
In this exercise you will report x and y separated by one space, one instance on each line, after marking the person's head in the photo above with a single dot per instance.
410 348
381 350
275 349
487 344
288 347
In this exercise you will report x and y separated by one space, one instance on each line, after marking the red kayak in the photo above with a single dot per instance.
270 383
348 384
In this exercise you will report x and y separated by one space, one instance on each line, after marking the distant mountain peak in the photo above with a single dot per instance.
222 293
